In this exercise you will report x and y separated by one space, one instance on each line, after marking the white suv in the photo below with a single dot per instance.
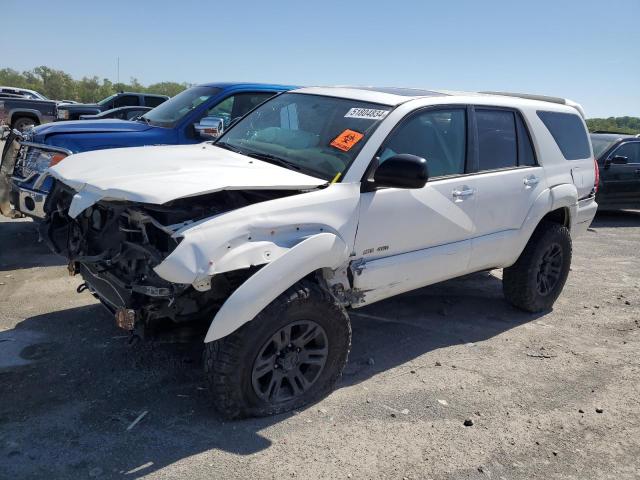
321 200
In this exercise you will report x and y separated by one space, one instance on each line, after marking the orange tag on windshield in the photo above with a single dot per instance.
346 140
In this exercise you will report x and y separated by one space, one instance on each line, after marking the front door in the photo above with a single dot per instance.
409 238
621 182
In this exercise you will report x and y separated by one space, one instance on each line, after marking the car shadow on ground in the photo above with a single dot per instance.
23 247
72 385
616 218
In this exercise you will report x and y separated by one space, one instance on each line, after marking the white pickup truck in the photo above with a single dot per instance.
318 201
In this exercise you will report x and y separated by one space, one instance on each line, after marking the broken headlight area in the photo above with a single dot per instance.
116 245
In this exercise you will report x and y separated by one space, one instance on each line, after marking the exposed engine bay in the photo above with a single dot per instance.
115 246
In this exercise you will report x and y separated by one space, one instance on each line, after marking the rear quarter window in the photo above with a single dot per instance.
569 133
153 101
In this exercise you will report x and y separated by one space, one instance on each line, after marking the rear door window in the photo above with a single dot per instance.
569 133
153 101
126 101
497 139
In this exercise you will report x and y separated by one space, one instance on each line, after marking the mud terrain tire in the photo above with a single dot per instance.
234 363
536 280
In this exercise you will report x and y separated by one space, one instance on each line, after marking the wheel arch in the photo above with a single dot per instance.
561 215
557 204
15 114
323 250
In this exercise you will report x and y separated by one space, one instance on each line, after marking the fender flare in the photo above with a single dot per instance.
560 196
24 111
323 250
564 195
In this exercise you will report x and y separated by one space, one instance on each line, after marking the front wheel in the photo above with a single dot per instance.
291 354
24 123
536 280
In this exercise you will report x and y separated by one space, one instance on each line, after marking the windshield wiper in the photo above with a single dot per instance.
227 146
267 157
145 120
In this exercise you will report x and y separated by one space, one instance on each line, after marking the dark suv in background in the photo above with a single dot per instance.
122 99
618 157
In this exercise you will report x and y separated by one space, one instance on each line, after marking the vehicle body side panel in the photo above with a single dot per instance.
388 276
323 250
260 233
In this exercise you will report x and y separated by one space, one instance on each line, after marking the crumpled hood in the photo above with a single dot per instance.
160 174
89 126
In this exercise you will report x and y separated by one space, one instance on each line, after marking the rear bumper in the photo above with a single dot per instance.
586 210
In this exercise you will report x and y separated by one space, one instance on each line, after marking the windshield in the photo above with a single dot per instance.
167 114
106 100
315 134
600 144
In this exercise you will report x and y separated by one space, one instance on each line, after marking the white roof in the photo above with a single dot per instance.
394 96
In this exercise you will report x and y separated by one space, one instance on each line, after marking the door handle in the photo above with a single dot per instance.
531 181
462 193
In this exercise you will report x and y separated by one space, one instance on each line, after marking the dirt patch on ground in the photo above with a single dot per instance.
545 396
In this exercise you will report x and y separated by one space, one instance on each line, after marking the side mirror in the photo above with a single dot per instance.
402 171
209 127
617 160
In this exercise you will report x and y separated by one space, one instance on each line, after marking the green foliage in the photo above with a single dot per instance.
58 85
615 124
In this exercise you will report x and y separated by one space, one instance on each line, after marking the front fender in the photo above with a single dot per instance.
323 250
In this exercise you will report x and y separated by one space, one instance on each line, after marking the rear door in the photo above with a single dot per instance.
621 181
508 180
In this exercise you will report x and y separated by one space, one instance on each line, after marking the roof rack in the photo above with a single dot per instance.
531 96
542 98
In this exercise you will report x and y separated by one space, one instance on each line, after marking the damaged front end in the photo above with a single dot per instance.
115 246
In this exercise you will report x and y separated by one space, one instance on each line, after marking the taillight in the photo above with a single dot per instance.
597 180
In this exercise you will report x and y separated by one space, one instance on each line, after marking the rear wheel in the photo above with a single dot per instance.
290 355
536 280
23 123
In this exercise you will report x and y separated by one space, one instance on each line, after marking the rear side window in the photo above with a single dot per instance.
569 133
497 140
126 101
153 101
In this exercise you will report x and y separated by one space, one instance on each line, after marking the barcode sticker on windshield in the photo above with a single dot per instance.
368 113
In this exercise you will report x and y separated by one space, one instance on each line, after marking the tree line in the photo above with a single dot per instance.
58 85
615 124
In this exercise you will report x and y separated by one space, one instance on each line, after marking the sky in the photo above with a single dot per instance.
585 50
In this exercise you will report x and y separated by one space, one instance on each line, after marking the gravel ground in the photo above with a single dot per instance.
555 395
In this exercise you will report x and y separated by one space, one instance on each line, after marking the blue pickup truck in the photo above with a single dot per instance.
197 114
